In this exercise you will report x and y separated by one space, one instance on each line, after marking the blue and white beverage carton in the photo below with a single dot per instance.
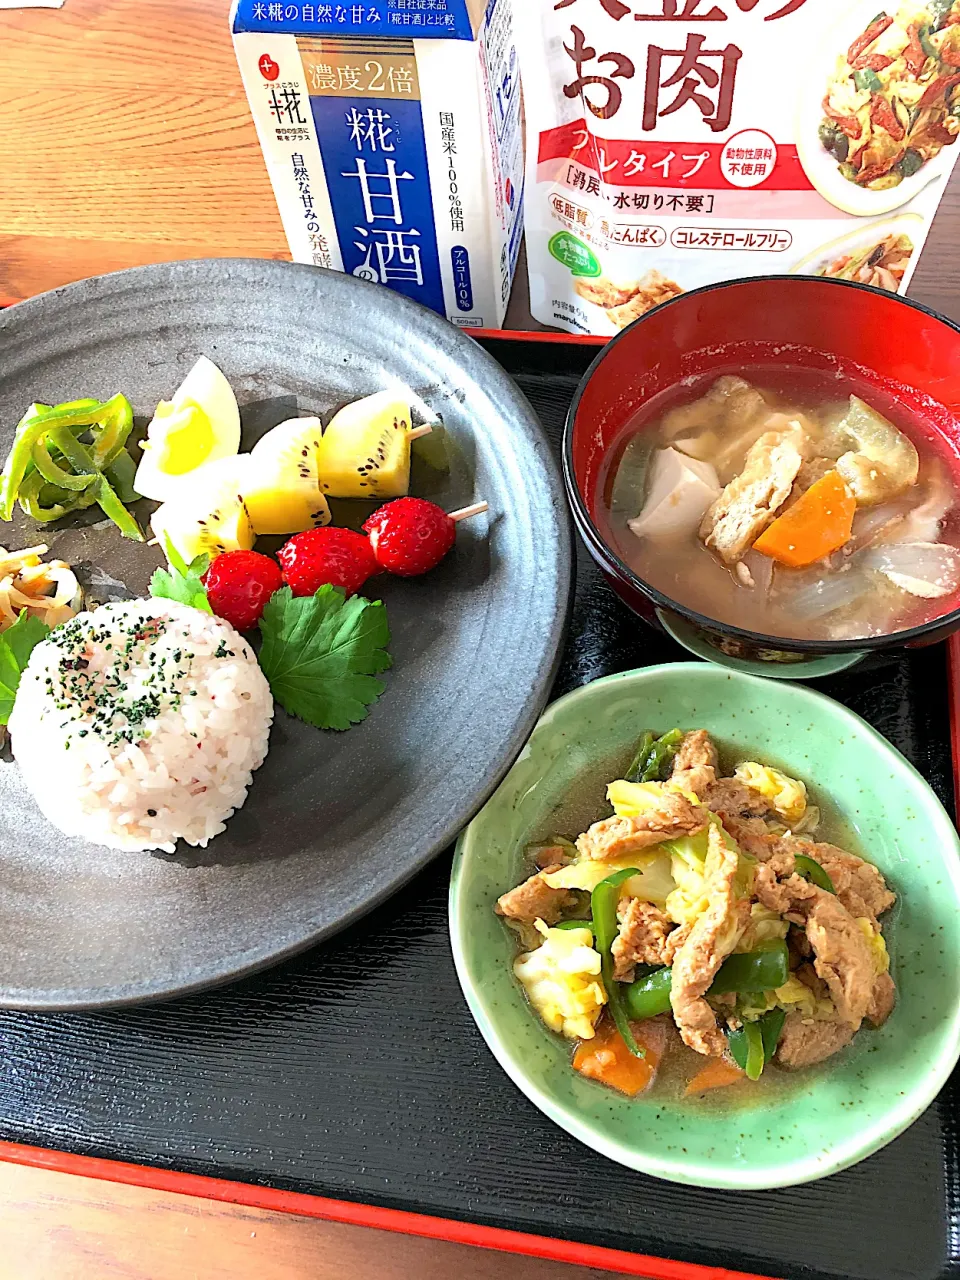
392 135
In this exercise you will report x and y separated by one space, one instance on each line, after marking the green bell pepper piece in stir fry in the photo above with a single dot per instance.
771 1024
603 903
746 1049
753 1044
812 871
649 996
653 757
750 972
51 472
753 971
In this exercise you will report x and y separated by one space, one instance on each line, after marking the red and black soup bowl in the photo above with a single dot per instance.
821 328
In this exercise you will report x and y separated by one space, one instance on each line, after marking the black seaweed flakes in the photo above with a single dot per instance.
116 714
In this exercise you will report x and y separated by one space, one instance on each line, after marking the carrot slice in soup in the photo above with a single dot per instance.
606 1058
820 521
715 1075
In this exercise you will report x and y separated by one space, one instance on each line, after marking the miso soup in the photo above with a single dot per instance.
787 512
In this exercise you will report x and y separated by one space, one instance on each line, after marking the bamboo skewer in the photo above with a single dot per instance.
417 432
465 513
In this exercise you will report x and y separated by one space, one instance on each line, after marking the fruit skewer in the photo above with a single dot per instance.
477 509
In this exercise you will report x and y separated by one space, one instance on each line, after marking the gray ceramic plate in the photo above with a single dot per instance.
334 822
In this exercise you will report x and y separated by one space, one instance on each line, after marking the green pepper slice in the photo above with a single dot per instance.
640 757
751 971
812 871
649 996
753 1044
82 458
746 1049
115 422
120 473
109 424
868 80
29 430
911 163
661 756
112 507
53 473
653 756
771 1025
78 455
603 903
40 508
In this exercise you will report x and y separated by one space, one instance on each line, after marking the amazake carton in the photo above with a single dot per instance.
391 132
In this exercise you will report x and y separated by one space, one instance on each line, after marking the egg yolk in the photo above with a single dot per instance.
188 440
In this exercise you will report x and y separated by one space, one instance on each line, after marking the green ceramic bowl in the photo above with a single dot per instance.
826 1118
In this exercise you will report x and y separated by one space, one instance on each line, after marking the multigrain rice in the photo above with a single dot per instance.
140 723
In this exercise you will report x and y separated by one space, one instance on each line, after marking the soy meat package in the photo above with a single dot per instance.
677 143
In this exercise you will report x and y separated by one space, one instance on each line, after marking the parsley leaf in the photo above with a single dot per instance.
183 581
16 646
322 654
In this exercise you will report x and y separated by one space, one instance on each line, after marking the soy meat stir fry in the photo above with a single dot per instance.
822 522
705 915
893 102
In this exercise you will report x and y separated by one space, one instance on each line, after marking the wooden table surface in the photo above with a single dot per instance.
57 1226
125 138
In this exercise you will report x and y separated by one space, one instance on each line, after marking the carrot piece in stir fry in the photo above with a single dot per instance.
820 521
717 1074
606 1058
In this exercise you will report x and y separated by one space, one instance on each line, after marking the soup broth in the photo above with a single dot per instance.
787 509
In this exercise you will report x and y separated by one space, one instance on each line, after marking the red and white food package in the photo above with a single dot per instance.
677 143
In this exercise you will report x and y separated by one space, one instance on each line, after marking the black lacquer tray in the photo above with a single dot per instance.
355 1072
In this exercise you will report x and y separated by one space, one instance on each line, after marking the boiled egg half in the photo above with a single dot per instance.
200 424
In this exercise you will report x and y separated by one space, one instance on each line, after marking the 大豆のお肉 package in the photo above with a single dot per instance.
673 144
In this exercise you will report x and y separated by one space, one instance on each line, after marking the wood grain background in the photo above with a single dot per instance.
125 137
56 1226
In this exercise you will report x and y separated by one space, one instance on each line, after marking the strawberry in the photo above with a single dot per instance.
239 584
410 536
319 556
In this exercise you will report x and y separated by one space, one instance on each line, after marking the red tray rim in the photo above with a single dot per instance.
359 1214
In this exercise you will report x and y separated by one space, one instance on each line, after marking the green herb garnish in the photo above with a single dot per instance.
16 646
322 654
182 581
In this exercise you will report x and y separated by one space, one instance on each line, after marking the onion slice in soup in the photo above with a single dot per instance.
930 570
